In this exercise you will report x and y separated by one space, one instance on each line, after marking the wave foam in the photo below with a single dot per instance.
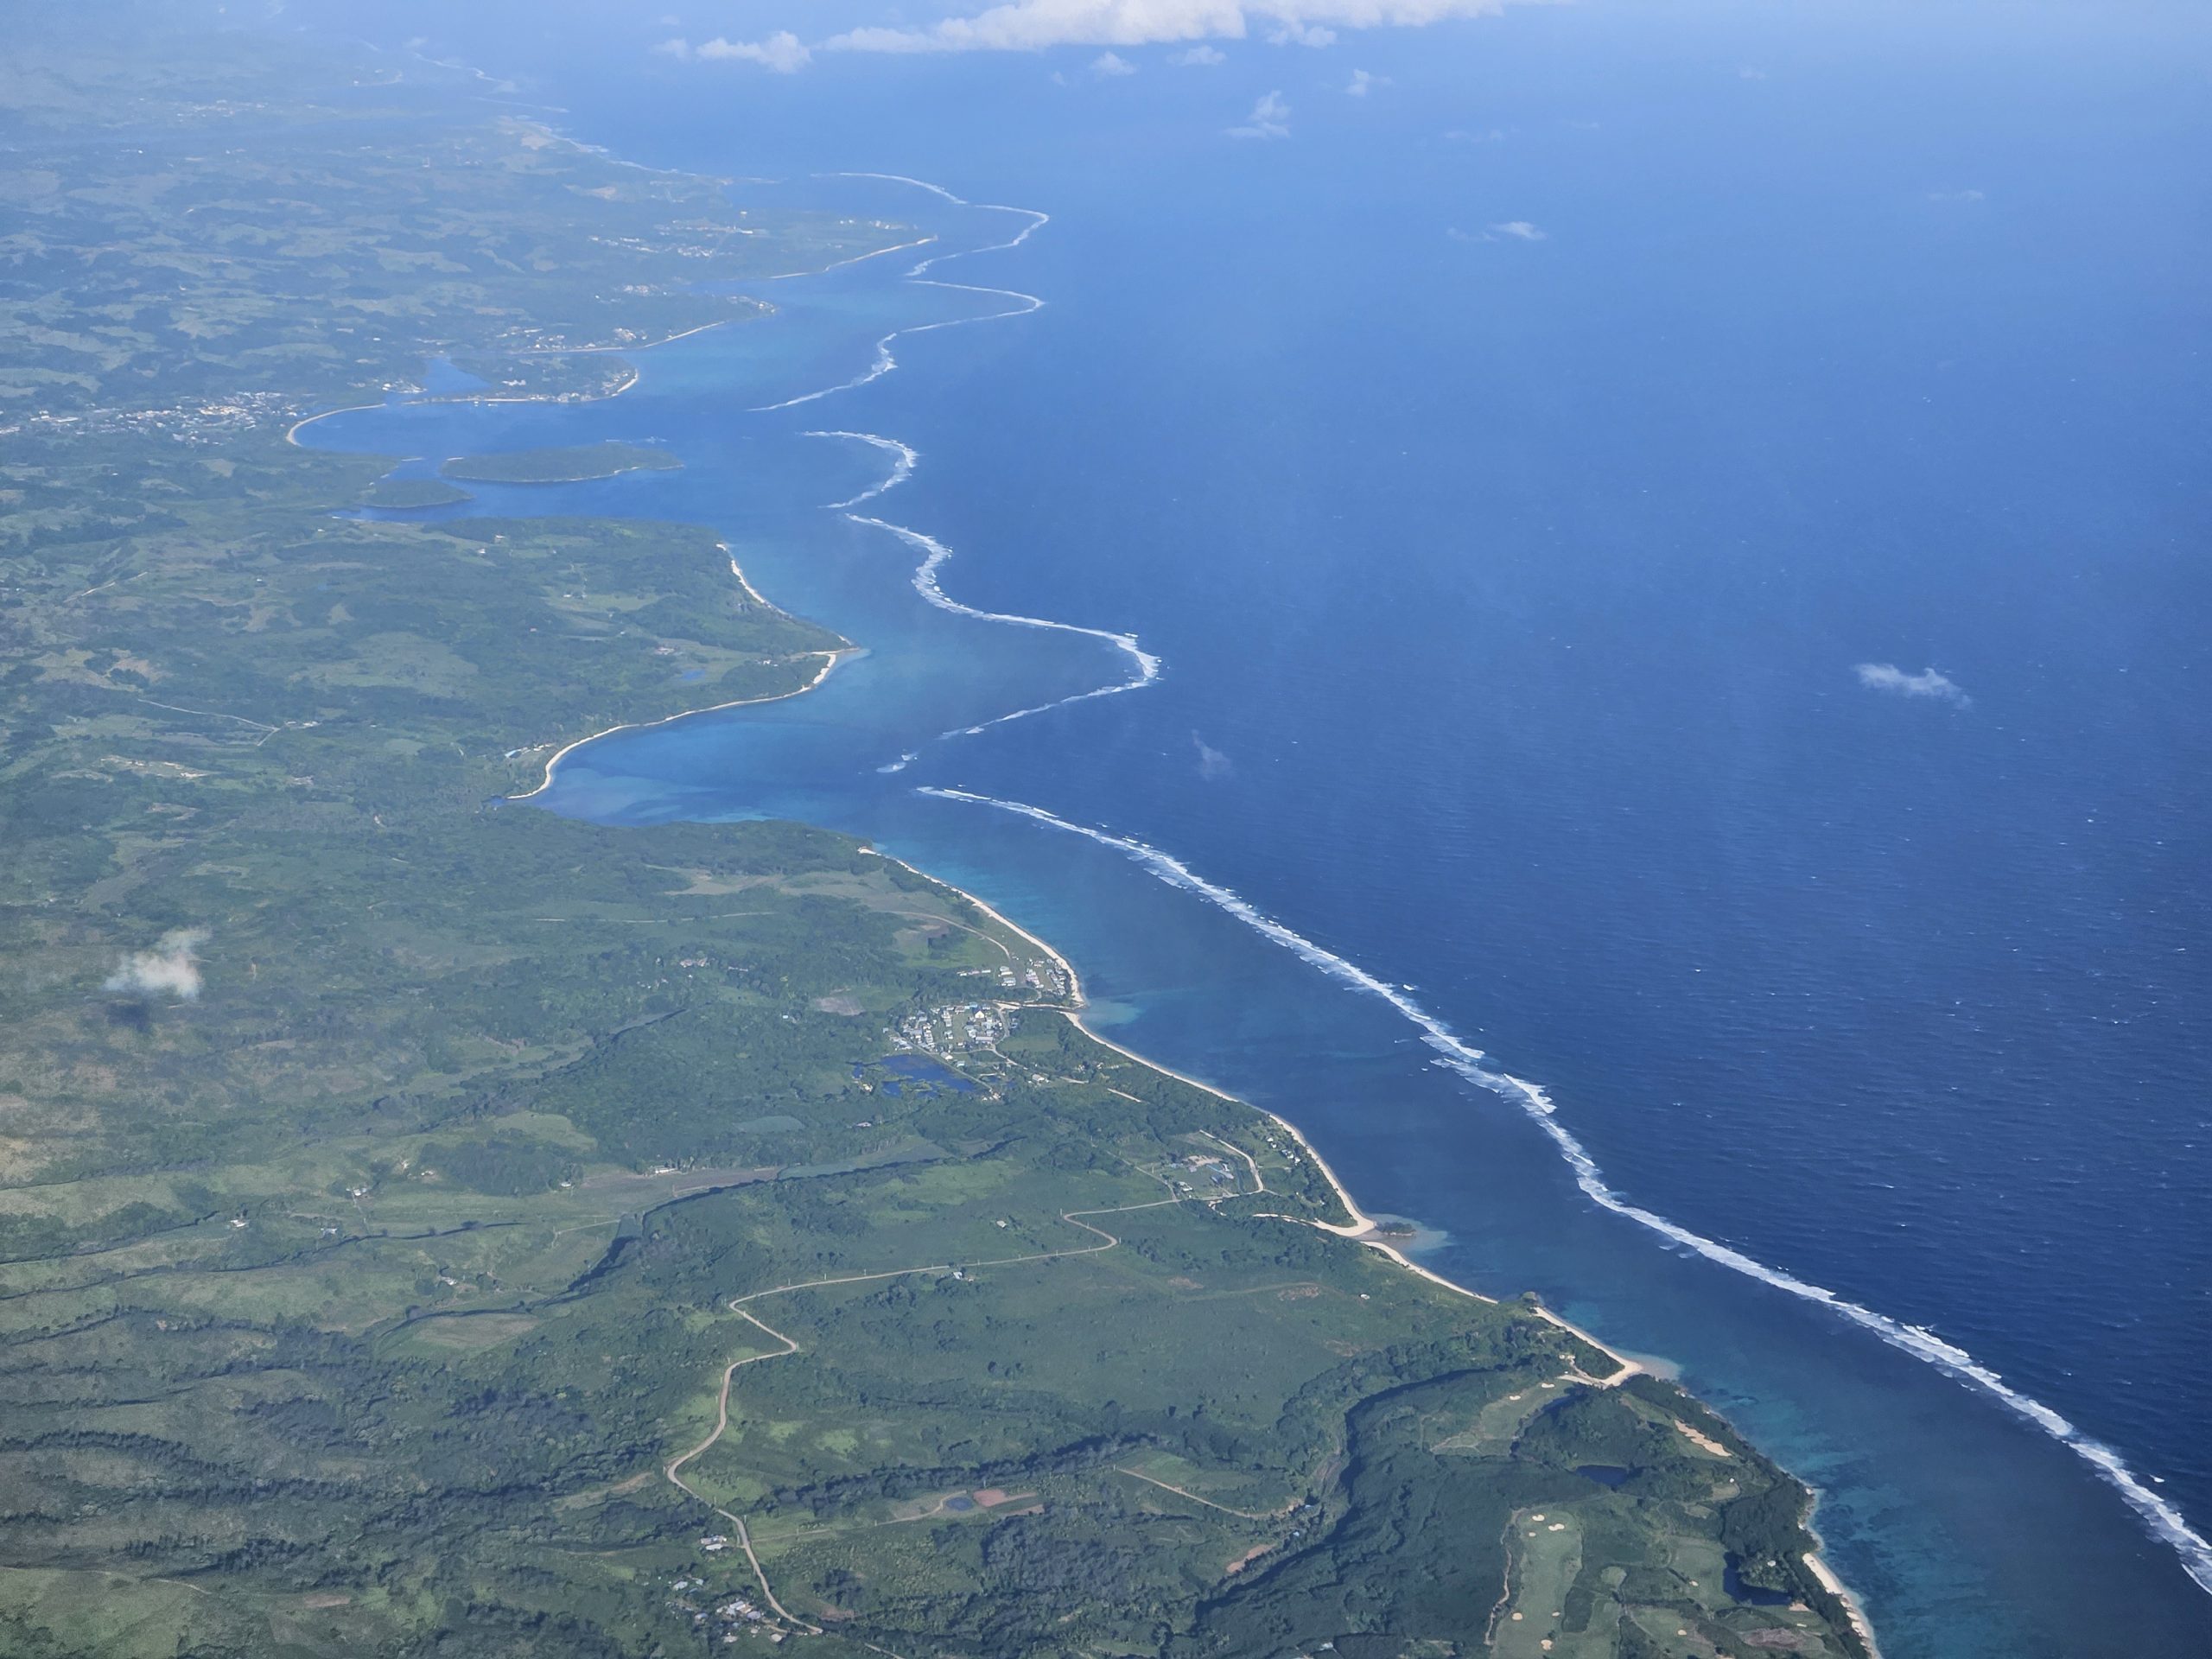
885 360
2165 1521
1146 667
903 459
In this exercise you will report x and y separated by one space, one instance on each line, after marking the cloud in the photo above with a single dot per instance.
1483 135
1270 118
1213 764
1956 195
1362 83
1107 64
1197 57
1520 229
676 48
1929 683
782 52
1750 72
1031 25
169 966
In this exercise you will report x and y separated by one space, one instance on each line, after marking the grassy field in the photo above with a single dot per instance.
429 1226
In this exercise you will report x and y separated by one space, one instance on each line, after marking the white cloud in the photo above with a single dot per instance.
1520 229
1197 57
1303 35
676 48
1030 25
1483 136
1362 83
784 52
170 967
1213 764
1929 683
1107 64
1270 118
1750 72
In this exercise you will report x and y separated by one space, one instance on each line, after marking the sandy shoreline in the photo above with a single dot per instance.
1361 1226
829 660
1817 1564
292 432
858 259
735 569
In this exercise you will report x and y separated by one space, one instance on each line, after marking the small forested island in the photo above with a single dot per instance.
570 464
432 1225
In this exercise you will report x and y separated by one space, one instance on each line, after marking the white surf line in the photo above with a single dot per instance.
899 178
1146 667
854 259
2165 1521
885 361
903 460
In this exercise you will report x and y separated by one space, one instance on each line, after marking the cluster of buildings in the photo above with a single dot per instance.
188 424
682 250
735 1617
953 1030
1035 977
1200 1166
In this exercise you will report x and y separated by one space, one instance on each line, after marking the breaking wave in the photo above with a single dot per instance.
1144 666
884 361
903 457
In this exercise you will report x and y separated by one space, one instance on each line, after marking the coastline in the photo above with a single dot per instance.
292 432
858 259
829 660
1816 1564
744 586
1361 1228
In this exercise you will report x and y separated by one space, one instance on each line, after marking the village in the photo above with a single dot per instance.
733 1619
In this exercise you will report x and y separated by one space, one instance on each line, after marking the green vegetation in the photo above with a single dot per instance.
266 231
404 492
430 1226
562 466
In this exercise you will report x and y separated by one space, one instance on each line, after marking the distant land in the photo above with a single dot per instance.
559 465
431 1225
406 493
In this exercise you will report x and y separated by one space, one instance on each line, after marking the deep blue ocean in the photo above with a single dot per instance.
1525 472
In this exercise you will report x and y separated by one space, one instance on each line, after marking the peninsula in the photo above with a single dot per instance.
571 465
